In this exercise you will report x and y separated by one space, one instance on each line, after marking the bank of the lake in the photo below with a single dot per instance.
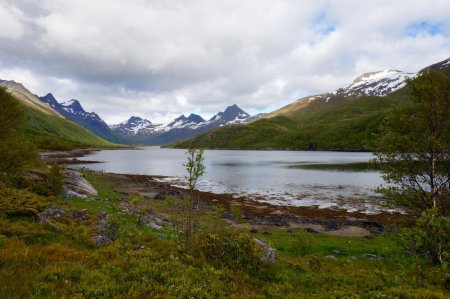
284 178
122 242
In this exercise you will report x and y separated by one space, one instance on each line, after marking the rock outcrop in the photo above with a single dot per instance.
77 186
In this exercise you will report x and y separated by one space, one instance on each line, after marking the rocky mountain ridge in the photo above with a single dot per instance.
143 131
72 110
140 131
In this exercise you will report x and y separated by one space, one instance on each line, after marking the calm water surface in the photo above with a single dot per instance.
268 176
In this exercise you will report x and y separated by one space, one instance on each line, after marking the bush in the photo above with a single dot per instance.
229 249
21 201
55 180
302 245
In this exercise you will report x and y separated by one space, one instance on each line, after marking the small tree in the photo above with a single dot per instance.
195 169
55 179
414 155
16 152
414 151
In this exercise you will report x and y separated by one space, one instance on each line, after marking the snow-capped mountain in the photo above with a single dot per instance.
72 110
135 126
379 84
376 84
193 121
231 115
443 66
142 131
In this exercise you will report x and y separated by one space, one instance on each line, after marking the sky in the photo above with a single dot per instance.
161 58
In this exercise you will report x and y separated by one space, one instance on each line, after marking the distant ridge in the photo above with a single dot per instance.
142 131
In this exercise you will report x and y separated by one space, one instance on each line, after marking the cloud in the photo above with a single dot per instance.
161 58
12 26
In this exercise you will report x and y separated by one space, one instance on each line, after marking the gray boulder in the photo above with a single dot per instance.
269 254
77 186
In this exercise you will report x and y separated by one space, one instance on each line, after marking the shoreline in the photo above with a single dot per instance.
257 215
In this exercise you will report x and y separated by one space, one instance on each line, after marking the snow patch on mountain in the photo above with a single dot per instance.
379 84
376 84
137 126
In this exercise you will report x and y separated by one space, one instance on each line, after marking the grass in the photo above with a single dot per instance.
38 261
105 188
323 244
56 133
95 206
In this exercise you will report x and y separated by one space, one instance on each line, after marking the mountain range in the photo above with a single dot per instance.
348 118
143 131
139 131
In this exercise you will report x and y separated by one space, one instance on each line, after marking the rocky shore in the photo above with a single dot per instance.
256 215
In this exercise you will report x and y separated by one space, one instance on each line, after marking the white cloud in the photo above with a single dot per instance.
12 22
161 58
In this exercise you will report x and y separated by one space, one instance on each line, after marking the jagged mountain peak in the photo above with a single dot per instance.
440 66
181 117
195 118
135 125
134 120
73 106
49 96
232 114
234 109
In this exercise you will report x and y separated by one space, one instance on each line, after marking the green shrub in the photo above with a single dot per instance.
21 201
302 245
230 249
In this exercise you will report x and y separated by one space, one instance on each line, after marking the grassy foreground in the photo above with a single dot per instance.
39 260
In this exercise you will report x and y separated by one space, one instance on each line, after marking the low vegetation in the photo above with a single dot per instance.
41 261
106 247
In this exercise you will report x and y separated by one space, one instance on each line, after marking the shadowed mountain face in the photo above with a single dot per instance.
72 110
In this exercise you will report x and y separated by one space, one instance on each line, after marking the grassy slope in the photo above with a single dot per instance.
39 261
343 125
52 132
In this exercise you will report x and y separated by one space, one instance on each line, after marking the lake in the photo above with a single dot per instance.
270 176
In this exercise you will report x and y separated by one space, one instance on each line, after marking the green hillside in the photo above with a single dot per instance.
331 121
56 133
339 125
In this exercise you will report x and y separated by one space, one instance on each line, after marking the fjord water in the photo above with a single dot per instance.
269 176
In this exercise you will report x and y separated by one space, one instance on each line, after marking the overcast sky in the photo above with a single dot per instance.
159 59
